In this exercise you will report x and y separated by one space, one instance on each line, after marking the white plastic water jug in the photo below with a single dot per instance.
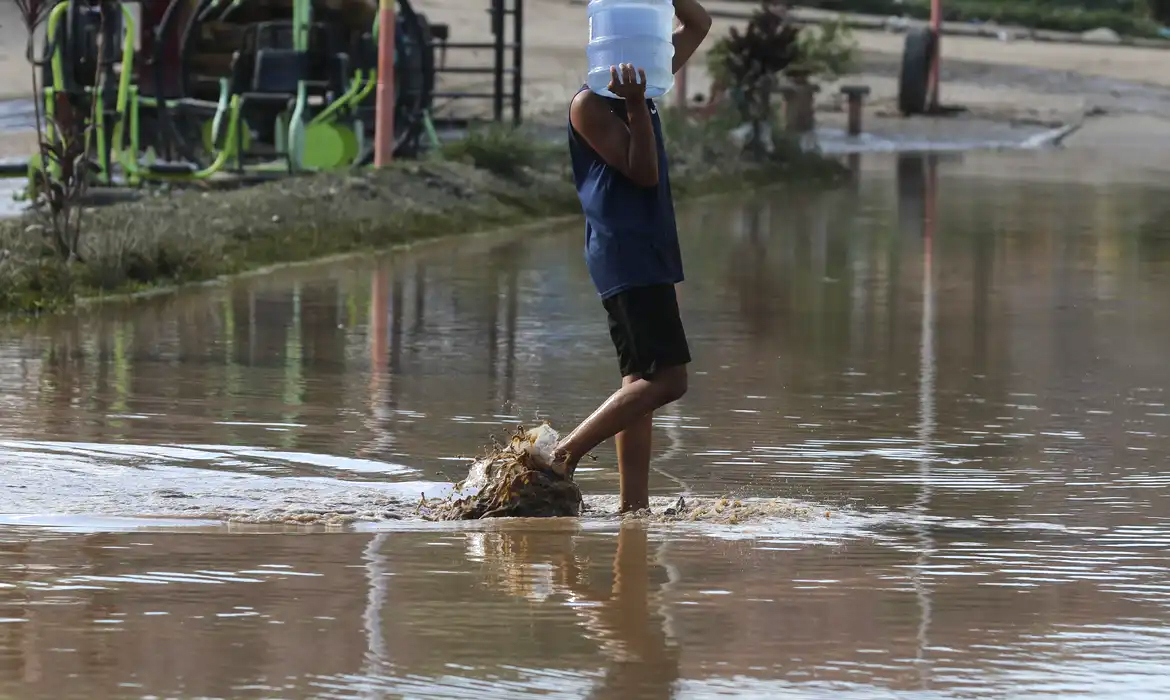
639 32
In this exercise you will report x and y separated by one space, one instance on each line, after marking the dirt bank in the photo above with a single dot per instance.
488 181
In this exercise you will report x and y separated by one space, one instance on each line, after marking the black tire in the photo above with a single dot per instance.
914 82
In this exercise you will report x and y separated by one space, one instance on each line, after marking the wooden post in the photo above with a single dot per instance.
799 109
384 104
932 97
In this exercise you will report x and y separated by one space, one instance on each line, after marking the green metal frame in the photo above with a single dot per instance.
228 106
121 100
127 108
122 147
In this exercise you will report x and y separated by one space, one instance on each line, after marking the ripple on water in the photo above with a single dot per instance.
258 459
519 683
206 482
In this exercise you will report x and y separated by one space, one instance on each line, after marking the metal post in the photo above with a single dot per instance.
384 104
932 100
498 31
855 95
517 59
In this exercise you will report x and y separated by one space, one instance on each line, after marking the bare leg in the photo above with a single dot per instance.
633 453
637 399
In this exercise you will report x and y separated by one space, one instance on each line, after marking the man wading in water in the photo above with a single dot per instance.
631 249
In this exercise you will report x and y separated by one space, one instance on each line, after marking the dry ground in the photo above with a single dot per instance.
1126 88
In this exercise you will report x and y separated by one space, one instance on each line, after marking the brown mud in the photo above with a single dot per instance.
509 481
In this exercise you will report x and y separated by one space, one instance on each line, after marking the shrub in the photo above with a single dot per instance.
503 150
827 49
693 141
34 287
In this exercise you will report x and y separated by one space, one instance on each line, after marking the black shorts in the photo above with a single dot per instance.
647 330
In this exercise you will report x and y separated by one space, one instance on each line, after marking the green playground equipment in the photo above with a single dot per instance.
306 86
60 83
290 93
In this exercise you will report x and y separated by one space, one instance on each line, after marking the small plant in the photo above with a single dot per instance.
501 149
700 141
828 49
766 47
59 174
746 64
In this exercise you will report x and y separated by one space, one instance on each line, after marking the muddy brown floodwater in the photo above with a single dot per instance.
935 401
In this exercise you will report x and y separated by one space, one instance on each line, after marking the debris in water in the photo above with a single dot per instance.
677 509
731 511
512 480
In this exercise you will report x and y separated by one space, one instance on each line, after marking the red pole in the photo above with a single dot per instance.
936 28
384 104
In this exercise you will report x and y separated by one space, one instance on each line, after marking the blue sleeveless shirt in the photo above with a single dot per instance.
630 235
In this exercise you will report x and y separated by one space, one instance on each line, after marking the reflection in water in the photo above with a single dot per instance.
377 657
632 629
669 420
550 609
380 409
396 322
926 378
628 621
976 362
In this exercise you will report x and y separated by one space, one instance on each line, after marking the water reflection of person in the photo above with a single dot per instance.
644 660
629 623
760 290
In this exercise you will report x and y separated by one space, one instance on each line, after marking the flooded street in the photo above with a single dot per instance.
942 388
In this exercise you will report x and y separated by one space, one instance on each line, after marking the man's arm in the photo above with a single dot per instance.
695 25
631 149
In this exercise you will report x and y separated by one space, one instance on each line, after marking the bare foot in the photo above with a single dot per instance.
561 465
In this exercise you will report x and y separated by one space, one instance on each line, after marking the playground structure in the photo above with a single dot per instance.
192 89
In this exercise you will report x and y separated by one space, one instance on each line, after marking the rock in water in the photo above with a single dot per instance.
511 481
